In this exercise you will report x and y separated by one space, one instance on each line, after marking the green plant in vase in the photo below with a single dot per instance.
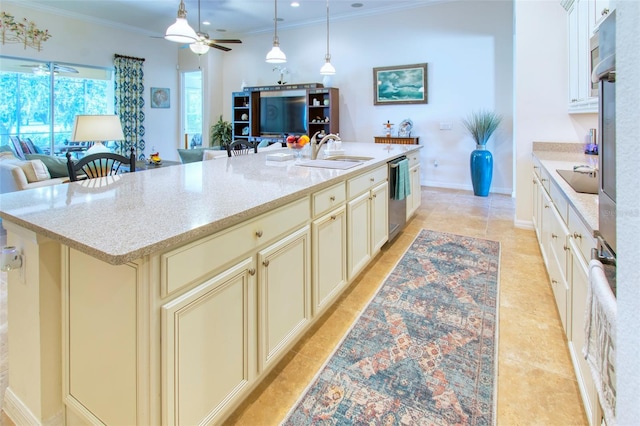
221 133
481 125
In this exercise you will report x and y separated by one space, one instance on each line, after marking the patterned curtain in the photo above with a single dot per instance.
129 102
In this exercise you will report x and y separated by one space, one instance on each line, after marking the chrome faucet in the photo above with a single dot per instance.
315 147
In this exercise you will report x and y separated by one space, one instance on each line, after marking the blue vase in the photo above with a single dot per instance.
481 170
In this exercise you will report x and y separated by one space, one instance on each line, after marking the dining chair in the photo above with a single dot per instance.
241 147
100 164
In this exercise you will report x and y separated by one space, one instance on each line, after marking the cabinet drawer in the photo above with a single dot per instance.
192 262
583 239
414 158
365 181
328 199
560 201
544 179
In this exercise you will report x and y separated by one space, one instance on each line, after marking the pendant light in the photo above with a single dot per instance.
275 55
327 68
180 31
200 47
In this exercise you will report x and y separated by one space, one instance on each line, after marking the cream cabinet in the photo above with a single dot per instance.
565 244
209 345
367 218
415 199
284 295
329 236
579 60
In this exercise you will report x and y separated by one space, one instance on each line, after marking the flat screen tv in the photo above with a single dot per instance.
282 113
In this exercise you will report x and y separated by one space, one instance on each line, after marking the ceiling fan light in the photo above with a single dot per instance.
275 55
199 47
181 32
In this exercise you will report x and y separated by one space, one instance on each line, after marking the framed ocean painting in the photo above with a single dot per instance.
404 84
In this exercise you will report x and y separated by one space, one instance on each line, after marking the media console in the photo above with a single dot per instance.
272 112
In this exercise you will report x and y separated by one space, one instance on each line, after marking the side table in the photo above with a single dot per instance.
413 140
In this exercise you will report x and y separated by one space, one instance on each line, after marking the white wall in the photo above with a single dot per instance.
628 207
541 92
468 48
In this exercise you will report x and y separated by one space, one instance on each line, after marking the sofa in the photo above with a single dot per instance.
36 171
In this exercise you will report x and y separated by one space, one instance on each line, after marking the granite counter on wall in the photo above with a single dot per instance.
565 156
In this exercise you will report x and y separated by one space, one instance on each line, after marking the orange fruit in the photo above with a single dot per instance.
304 139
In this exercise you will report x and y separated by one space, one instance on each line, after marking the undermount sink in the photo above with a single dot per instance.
330 164
583 182
348 158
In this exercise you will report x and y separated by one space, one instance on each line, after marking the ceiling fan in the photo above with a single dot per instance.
201 46
44 69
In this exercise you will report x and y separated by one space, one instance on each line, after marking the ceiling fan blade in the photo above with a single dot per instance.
217 46
221 40
60 68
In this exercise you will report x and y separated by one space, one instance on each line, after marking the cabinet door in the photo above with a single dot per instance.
557 266
415 199
358 233
329 236
379 217
574 95
284 294
537 203
208 346
579 285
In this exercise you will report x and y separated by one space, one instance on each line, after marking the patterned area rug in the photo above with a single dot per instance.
423 351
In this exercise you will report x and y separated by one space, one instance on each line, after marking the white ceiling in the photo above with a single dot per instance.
229 18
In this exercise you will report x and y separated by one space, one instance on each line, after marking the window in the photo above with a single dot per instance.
41 105
192 104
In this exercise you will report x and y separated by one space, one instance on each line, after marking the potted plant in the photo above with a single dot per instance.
220 133
481 126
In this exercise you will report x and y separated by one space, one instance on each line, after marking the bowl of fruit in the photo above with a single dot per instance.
297 142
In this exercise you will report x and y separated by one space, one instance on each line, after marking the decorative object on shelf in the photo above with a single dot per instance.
154 159
387 128
181 31
245 131
244 117
404 84
327 68
220 133
481 126
404 131
275 55
282 71
160 97
24 32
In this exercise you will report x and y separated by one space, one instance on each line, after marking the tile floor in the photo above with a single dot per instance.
536 383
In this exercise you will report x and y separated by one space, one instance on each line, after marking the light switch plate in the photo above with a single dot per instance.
446 125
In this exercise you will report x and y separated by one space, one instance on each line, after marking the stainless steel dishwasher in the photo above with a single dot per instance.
397 208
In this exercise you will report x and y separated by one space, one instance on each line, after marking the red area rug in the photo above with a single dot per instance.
423 351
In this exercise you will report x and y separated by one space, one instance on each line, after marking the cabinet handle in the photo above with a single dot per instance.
266 262
259 234
576 235
554 236
533 180
604 12
333 217
374 195
554 282
252 271
332 198
543 180
566 248
546 206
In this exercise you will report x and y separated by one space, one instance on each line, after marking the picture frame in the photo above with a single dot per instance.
160 97
402 84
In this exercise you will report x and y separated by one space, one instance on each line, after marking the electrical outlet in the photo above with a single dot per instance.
446 125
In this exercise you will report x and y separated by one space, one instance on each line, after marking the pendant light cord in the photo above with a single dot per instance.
327 27
275 19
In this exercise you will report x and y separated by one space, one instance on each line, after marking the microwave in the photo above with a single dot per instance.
594 58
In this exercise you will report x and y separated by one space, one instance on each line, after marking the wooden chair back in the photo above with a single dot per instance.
241 147
100 164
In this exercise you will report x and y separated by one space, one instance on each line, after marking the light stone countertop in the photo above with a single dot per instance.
585 205
123 218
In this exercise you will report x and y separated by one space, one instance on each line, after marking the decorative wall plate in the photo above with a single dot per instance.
405 127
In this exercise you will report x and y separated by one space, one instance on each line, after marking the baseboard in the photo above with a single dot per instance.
21 415
523 224
466 187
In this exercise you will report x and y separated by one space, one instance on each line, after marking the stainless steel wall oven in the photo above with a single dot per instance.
605 74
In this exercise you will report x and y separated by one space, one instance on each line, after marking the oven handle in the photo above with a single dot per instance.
602 253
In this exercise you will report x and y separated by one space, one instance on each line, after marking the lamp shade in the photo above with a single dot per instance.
97 128
327 68
181 32
276 56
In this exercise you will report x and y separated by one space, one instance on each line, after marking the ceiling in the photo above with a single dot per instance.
228 18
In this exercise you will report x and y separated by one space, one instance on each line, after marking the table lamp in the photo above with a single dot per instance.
98 129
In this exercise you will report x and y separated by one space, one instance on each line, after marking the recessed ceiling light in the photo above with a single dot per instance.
295 3
221 30
356 5
206 23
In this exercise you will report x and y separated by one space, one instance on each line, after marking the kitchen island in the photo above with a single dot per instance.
165 296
